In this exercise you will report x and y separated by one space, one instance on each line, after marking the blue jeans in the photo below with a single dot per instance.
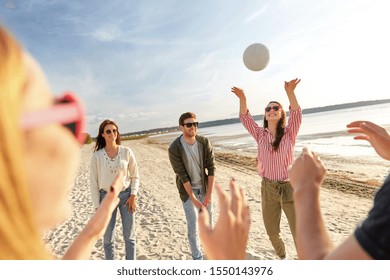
191 213
128 226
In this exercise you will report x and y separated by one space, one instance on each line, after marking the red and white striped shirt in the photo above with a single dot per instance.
272 164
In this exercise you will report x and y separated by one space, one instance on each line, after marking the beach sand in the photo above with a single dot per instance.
160 222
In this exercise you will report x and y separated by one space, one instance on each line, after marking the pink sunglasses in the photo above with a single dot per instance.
66 110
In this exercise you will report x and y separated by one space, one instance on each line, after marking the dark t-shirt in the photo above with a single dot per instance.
374 233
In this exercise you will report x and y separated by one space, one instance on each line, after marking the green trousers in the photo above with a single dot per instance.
275 196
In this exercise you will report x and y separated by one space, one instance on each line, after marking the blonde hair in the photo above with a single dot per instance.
19 234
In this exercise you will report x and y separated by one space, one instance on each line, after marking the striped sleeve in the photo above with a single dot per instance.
250 124
294 122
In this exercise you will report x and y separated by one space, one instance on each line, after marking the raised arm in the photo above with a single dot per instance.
307 174
241 95
313 241
289 87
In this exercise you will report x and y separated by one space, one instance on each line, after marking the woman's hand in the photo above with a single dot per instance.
238 92
290 90
290 86
241 95
131 204
99 221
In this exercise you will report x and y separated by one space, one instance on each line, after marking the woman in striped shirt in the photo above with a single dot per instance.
275 143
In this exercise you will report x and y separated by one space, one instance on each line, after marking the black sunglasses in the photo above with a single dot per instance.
188 125
275 108
108 131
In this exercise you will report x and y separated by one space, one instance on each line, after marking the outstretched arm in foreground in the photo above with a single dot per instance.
84 242
228 239
378 137
313 241
306 176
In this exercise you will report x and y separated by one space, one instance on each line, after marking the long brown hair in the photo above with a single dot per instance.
280 127
20 237
100 141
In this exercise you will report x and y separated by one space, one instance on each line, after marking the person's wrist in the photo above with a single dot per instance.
306 191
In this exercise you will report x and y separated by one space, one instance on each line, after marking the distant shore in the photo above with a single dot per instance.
259 117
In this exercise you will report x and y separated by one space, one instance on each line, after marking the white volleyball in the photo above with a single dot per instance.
256 57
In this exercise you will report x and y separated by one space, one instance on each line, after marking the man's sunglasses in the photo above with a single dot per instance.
275 108
66 110
109 131
188 125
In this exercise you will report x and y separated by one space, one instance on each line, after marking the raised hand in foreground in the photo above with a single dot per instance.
378 137
228 239
307 174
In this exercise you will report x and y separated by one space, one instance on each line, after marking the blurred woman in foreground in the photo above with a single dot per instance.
39 154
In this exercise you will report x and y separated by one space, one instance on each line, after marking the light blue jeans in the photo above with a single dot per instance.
191 213
128 226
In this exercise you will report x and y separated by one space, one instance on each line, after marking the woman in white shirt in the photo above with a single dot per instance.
108 160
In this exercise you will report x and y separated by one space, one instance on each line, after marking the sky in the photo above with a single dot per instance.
144 63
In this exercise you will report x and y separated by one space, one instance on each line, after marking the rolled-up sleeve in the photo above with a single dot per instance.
133 174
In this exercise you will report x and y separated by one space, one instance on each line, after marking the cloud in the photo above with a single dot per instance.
143 116
10 4
144 63
256 14
107 33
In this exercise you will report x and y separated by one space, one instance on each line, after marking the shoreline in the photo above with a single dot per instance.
161 230
357 175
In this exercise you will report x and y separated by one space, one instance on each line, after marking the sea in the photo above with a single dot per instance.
323 132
